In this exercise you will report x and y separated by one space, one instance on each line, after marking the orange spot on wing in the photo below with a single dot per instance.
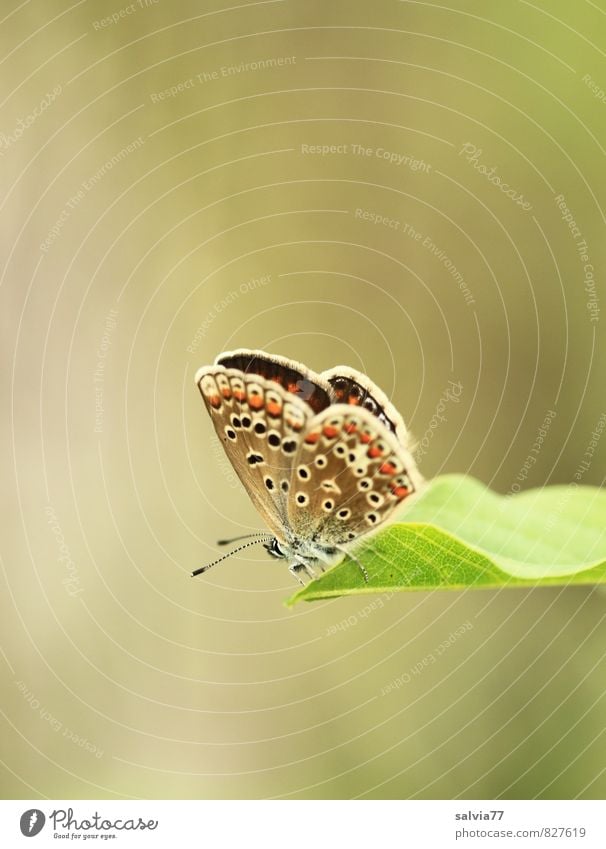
215 401
351 428
239 395
374 452
273 408
312 438
365 438
330 431
226 392
400 491
353 399
255 401
387 469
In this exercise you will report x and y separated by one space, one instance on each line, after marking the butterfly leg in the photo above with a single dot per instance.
294 570
300 566
360 566
311 570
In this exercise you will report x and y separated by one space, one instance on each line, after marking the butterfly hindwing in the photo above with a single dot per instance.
349 386
349 475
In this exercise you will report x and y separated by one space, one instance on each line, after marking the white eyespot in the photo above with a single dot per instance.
340 450
320 461
230 433
254 397
359 471
273 439
223 383
303 473
293 417
209 387
365 483
374 499
237 386
372 518
344 513
208 384
302 499
328 505
273 404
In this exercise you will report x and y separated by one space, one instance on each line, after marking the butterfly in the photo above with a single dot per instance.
325 458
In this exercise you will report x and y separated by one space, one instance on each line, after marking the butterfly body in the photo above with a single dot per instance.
323 457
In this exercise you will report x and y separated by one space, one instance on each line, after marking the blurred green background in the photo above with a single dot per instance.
181 179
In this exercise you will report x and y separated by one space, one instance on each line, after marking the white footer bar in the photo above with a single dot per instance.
311 824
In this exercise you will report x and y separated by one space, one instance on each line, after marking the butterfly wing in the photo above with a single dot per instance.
260 423
349 475
293 377
348 386
339 385
322 457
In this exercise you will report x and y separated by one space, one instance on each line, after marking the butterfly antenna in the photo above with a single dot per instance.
225 556
237 539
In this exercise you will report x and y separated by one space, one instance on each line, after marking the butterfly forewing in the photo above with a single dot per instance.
293 377
260 425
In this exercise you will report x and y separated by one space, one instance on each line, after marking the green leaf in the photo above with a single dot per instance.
460 534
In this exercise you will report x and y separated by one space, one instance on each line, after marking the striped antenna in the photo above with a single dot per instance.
263 534
229 554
